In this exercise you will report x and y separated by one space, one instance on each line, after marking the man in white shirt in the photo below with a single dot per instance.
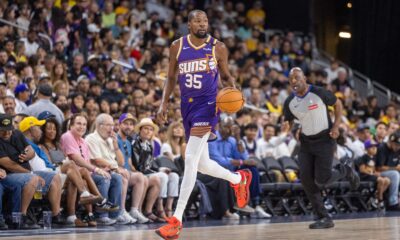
271 145
357 146
31 45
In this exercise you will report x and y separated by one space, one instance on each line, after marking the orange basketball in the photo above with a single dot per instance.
230 100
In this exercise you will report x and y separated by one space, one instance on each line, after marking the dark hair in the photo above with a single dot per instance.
270 125
251 126
70 121
57 139
193 13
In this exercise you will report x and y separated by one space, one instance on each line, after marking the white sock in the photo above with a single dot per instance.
134 209
85 194
192 156
212 168
71 218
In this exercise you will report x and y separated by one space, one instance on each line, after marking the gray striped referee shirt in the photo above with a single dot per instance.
311 110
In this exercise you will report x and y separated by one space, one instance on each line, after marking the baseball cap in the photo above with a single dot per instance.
274 52
29 122
81 78
93 28
6 122
21 88
160 42
46 115
395 137
45 90
362 127
44 76
11 64
370 144
127 116
92 57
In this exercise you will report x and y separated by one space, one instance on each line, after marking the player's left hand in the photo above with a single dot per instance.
334 133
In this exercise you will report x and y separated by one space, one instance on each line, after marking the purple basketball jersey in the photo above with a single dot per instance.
197 68
198 82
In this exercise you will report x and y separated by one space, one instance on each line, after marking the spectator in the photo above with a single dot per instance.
105 153
31 44
125 132
387 163
173 148
17 156
77 150
357 146
390 114
77 178
380 132
332 71
142 160
229 153
271 145
369 173
22 95
250 139
256 15
44 104
9 105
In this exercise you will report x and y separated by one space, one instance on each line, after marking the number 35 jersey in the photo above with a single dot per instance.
197 68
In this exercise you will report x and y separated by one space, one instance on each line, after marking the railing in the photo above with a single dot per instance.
42 35
362 84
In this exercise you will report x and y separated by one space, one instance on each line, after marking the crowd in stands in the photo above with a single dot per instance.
78 123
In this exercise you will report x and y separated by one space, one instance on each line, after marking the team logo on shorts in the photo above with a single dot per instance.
201 124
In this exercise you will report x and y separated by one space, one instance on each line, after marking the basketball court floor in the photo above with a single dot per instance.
349 226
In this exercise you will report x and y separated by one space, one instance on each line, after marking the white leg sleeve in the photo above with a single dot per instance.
212 168
192 156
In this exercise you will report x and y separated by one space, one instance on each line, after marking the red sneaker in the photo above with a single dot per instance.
242 191
171 230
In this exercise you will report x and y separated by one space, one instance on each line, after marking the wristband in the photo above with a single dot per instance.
241 162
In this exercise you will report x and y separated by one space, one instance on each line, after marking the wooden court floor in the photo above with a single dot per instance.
383 228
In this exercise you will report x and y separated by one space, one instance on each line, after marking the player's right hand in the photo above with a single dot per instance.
162 114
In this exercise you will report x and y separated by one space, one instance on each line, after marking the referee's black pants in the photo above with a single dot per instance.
315 157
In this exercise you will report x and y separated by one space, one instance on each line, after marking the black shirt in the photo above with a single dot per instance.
386 156
142 156
14 147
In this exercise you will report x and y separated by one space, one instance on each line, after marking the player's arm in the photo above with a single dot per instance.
171 81
221 53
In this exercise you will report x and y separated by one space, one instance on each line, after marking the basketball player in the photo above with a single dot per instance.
309 105
197 59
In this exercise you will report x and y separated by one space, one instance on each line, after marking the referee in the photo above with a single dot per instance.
309 105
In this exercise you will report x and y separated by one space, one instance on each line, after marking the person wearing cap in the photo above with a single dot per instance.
83 85
41 166
15 157
357 146
105 154
44 104
274 62
388 164
91 67
22 95
368 172
126 127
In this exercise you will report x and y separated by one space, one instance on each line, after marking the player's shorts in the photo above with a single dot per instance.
199 111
